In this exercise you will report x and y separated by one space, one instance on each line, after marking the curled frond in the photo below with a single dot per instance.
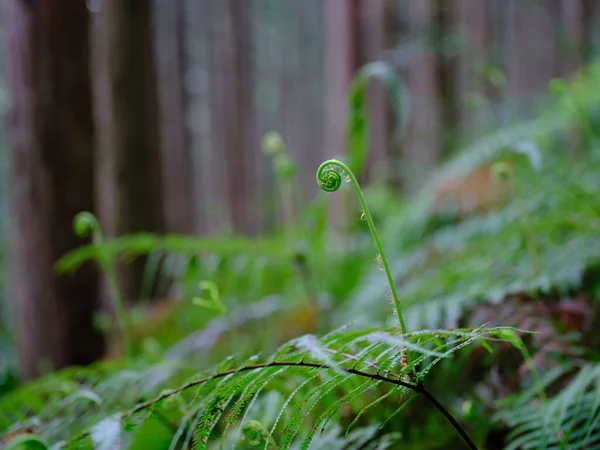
329 177
255 434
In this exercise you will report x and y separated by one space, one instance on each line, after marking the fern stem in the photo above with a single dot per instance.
529 234
119 306
330 180
418 388
539 386
448 416
84 224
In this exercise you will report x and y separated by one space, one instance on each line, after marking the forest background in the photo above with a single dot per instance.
193 129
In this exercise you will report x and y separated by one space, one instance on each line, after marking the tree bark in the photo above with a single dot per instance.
233 112
341 63
423 144
52 160
177 162
374 37
126 117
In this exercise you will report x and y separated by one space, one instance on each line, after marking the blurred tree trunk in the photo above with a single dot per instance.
51 138
423 141
341 62
571 46
357 32
232 107
374 40
341 37
126 116
532 66
177 162
446 56
475 27
354 36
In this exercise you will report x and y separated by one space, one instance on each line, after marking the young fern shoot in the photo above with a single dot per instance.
330 180
85 224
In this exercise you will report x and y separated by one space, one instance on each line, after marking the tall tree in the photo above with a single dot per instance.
52 179
177 161
422 147
126 117
357 32
232 105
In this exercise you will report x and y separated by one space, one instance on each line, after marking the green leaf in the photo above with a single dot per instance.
26 442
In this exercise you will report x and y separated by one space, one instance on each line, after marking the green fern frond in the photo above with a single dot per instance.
486 258
208 420
574 413
369 358
146 243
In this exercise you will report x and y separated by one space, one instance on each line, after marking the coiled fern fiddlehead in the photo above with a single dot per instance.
329 178
86 224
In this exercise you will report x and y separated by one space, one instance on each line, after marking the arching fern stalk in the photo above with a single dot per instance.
330 180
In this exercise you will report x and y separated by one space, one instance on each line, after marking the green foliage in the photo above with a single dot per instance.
570 419
351 387
130 245
336 361
541 241
26 442
350 361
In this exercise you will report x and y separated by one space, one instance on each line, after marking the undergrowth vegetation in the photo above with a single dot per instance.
477 327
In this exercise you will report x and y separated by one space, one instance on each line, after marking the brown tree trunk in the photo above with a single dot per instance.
341 62
423 143
531 67
51 139
475 27
126 117
232 115
341 31
177 162
374 42
446 63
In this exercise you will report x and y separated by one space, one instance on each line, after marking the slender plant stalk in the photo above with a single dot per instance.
418 388
215 303
274 146
330 180
84 224
537 382
503 172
